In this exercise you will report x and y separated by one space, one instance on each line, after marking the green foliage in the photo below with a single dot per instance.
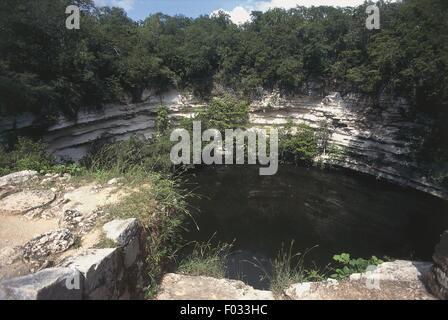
336 152
349 266
161 207
71 168
134 154
207 260
47 69
162 120
298 144
225 113
26 155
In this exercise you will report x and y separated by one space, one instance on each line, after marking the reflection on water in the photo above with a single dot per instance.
336 210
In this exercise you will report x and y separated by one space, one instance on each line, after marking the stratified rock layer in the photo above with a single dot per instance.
379 138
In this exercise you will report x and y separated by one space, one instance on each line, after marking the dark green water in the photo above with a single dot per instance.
337 211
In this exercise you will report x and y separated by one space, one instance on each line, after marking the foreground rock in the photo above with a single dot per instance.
101 271
398 280
25 201
181 287
40 248
17 178
438 277
48 284
93 274
129 235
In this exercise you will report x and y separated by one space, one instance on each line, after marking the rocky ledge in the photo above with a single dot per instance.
93 274
399 280
52 241
183 287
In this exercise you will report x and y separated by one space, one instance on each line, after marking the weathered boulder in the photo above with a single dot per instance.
438 277
182 287
17 177
101 271
70 219
48 284
47 244
122 231
398 280
125 233
129 235
25 201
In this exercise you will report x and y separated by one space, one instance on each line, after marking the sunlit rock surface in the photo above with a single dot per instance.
182 287
398 280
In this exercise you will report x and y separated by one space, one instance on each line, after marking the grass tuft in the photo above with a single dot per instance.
206 260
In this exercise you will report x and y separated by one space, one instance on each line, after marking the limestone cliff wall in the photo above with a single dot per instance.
376 139
379 139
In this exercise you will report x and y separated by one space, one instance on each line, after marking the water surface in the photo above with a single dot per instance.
335 210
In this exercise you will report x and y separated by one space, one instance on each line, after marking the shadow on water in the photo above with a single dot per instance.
334 209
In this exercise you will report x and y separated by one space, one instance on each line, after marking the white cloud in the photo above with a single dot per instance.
238 15
125 4
241 14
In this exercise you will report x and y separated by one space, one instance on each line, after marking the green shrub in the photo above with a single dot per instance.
162 120
26 155
223 113
122 157
298 144
336 152
70 168
349 266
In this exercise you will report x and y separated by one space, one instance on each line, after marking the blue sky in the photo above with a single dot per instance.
140 9
239 10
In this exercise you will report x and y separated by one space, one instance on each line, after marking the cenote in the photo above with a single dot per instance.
333 211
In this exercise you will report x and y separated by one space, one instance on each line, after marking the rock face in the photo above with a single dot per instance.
48 284
122 231
100 274
130 236
376 138
438 277
398 280
25 201
181 287
71 138
379 140
38 249
17 178
100 269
